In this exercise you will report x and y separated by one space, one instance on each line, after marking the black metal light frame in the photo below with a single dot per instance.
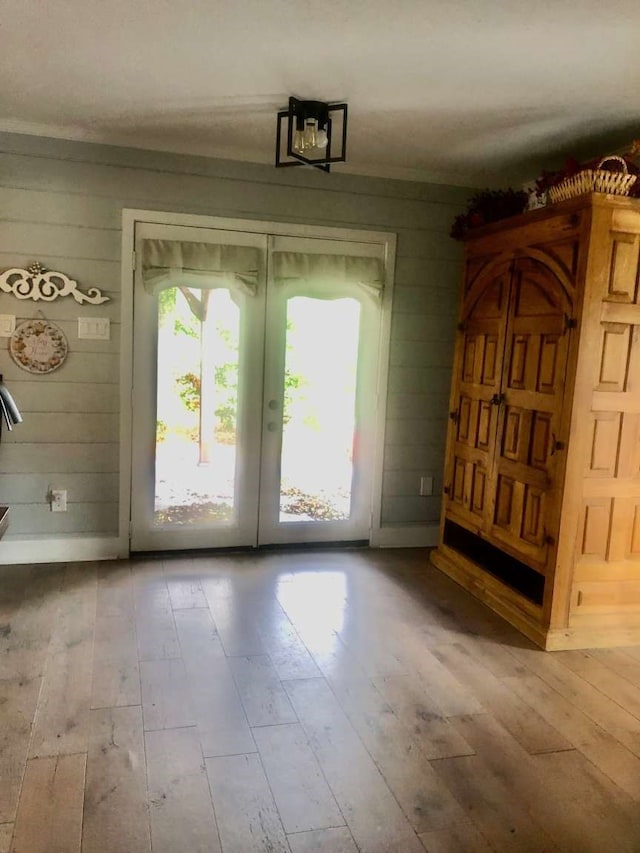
297 113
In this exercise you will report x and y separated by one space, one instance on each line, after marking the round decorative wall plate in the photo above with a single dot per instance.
38 346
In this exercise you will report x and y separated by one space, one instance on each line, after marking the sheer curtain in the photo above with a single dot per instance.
315 270
174 263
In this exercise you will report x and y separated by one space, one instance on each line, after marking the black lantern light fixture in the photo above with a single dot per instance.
312 131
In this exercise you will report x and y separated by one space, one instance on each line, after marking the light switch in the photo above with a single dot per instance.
7 325
94 328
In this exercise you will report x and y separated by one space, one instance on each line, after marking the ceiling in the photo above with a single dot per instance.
468 92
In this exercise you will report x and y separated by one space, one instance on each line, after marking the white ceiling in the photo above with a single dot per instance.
461 91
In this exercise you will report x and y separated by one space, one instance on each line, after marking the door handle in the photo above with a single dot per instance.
272 426
273 405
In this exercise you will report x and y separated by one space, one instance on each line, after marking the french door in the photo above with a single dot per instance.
254 389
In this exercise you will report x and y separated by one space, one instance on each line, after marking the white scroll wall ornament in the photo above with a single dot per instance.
35 282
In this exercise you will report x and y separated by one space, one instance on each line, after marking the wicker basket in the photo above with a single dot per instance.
596 180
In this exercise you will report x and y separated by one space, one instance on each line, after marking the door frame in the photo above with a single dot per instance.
130 216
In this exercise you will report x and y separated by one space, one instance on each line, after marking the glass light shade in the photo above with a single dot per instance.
310 134
322 140
298 144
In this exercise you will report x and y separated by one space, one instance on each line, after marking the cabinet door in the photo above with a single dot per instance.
526 480
475 393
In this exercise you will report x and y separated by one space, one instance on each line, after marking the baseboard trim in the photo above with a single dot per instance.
84 549
62 550
406 536
593 637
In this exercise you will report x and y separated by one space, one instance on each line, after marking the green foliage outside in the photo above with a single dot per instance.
225 375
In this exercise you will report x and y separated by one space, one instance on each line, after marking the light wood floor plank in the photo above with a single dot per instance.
620 662
598 745
531 730
410 702
371 811
115 640
62 720
337 840
18 704
247 817
498 814
116 814
289 655
233 616
6 834
61 724
185 590
198 635
369 644
463 838
608 714
556 805
116 674
180 804
115 590
448 693
577 788
222 723
302 795
425 800
51 802
493 654
261 692
26 636
604 678
165 696
155 627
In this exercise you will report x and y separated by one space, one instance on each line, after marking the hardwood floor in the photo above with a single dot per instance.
322 701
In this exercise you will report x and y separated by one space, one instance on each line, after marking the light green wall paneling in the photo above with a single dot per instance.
43 457
61 204
85 488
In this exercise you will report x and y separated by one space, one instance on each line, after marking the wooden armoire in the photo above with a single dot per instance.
541 504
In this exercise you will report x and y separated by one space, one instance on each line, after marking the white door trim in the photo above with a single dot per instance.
129 217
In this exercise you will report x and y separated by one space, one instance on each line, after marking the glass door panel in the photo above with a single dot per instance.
197 407
318 423
197 401
320 396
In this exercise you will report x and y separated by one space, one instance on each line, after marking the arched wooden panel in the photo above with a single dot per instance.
476 387
529 458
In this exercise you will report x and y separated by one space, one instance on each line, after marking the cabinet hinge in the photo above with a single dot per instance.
453 416
461 327
445 489
570 322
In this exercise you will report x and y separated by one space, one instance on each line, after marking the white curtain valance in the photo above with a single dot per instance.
367 273
174 263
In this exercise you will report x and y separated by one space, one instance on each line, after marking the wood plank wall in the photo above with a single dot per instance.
61 203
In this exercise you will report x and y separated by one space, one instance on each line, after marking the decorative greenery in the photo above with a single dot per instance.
489 206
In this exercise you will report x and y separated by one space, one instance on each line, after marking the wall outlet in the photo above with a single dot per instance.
426 486
58 498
